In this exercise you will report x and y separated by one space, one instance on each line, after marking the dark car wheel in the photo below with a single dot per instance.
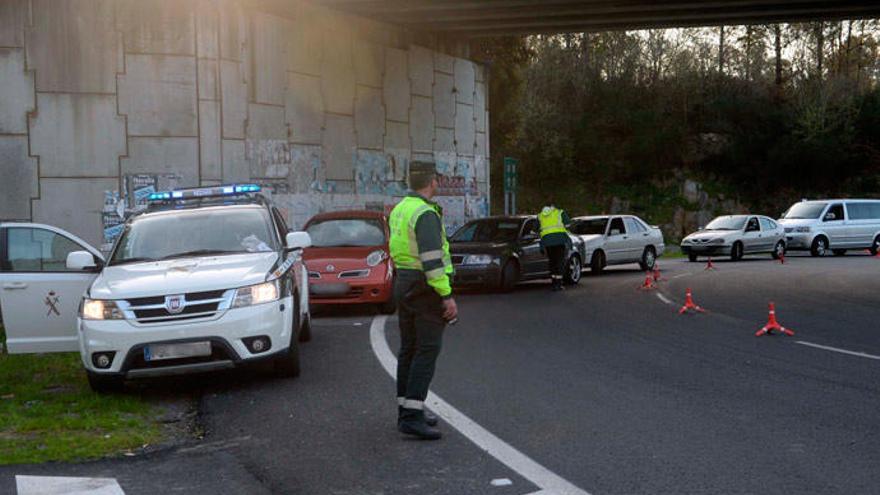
838 252
736 252
875 247
287 364
305 332
597 264
692 257
387 308
649 257
105 384
509 276
778 250
574 271
819 247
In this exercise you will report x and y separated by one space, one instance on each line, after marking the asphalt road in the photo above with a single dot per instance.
604 385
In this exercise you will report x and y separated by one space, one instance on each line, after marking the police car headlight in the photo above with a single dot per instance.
376 257
97 309
717 240
256 294
477 259
802 230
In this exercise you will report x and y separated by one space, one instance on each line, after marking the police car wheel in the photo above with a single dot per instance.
597 264
105 384
305 332
573 275
287 364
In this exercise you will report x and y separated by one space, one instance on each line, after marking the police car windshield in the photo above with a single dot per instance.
727 223
805 211
488 230
344 232
199 232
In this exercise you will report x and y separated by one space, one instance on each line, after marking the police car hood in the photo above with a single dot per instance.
182 275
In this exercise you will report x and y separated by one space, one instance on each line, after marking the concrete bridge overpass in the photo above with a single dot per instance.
510 17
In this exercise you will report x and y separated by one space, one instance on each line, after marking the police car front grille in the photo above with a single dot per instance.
152 310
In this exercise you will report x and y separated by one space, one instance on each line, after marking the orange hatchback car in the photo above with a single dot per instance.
348 261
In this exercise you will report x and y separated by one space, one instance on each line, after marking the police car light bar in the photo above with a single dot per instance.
204 192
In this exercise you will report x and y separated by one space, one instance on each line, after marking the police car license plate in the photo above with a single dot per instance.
157 352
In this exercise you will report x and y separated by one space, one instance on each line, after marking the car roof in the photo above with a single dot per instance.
343 214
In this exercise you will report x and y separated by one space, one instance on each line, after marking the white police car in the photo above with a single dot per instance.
203 279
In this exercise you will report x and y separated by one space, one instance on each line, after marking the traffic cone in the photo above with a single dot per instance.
648 284
710 265
781 259
689 304
656 273
772 324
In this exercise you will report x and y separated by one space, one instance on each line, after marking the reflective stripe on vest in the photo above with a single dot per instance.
551 223
403 244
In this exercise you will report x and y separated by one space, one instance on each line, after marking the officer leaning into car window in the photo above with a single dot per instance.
555 241
422 290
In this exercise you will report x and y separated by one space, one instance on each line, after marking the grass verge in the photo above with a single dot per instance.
672 253
49 413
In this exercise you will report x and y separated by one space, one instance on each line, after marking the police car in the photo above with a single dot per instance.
203 279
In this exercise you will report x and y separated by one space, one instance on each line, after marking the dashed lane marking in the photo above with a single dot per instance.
549 482
664 299
61 485
836 349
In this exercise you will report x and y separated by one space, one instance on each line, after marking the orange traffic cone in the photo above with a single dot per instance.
656 272
648 284
710 265
689 304
772 324
781 259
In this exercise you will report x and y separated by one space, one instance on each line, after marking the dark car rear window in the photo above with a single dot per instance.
342 232
488 230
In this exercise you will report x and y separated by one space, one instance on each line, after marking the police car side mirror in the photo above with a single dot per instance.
298 240
80 261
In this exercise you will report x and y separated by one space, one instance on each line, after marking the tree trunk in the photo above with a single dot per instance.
847 51
777 31
721 51
749 53
820 47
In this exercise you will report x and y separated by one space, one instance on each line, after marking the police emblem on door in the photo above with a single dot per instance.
174 304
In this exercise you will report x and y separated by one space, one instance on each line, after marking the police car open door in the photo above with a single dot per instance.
39 295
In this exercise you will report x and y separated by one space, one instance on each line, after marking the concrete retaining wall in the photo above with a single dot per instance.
326 111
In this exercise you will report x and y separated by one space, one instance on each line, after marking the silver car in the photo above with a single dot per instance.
735 236
618 240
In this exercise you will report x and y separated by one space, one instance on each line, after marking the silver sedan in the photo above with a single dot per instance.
735 236
618 240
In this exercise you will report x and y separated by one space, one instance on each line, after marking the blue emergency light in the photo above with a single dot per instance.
204 192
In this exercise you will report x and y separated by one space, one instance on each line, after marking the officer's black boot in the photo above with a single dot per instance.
430 418
412 422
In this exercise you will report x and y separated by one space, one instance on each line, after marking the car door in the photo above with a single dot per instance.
639 237
859 225
752 236
39 295
534 263
834 225
770 234
617 242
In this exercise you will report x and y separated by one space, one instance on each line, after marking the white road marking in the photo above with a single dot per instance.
501 482
664 299
549 482
681 275
835 349
60 485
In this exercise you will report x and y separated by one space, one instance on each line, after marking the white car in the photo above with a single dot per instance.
735 236
833 224
203 279
618 240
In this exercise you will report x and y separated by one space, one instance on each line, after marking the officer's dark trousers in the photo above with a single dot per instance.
420 311
556 255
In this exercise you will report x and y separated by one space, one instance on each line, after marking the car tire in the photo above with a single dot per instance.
736 252
778 250
574 270
819 247
305 332
649 258
104 384
287 365
838 252
597 262
875 247
509 276
388 307
692 257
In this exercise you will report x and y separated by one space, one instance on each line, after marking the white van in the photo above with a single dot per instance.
837 225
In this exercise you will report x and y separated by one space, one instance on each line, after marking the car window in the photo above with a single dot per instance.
804 210
38 250
753 225
282 225
863 211
767 224
341 232
727 223
633 226
592 226
531 227
488 230
617 224
836 210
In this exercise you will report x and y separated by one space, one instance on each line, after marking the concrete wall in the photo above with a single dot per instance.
326 111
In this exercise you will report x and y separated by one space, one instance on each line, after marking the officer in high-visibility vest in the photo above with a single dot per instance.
422 289
555 241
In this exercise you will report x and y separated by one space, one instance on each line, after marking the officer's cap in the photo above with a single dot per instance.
421 173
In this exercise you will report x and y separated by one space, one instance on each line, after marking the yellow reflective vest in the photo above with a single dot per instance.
404 247
551 221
